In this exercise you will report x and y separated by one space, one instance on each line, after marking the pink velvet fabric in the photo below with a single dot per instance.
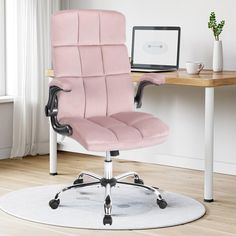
91 60
88 47
121 131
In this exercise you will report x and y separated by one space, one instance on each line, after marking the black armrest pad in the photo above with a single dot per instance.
51 110
147 79
139 95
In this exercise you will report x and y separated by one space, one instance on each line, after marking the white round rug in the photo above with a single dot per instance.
133 207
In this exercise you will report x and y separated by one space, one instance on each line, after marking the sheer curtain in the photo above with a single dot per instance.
30 126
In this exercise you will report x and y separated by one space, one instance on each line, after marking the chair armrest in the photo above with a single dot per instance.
63 84
55 86
147 79
51 110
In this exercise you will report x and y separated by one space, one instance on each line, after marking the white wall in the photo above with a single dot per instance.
2 49
183 107
6 119
191 15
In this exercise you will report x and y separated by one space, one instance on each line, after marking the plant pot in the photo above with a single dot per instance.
218 56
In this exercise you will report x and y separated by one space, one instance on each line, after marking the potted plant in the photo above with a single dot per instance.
218 49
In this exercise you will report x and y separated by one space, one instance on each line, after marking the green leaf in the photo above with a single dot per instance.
217 28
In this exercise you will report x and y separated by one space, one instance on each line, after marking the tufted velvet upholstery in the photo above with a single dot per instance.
88 49
91 59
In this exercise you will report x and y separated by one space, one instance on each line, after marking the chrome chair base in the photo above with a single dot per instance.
108 182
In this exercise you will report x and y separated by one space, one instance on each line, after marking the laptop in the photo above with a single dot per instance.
155 48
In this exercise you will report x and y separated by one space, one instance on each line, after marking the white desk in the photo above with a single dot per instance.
208 80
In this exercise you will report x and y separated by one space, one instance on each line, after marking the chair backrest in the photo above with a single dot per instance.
89 52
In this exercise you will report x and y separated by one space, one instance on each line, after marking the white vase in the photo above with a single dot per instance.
218 56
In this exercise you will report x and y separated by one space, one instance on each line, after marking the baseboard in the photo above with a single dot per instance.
141 156
74 147
5 153
42 148
185 162
157 158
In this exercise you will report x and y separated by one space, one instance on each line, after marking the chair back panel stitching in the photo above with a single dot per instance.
89 52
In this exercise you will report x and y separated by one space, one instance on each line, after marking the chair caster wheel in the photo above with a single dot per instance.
162 203
138 181
107 220
78 181
54 203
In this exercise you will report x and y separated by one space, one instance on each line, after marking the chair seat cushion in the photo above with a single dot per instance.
120 131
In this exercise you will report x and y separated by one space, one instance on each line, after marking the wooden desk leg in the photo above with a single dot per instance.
209 144
53 152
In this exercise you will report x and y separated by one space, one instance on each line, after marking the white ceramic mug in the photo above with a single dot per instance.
194 68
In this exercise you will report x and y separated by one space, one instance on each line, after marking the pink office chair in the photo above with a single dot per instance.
91 98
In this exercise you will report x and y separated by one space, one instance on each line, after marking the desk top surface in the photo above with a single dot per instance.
206 78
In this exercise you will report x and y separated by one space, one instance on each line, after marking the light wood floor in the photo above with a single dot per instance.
30 171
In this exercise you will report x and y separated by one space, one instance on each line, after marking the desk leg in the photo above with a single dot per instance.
209 144
53 152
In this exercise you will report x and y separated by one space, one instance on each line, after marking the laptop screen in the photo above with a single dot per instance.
155 47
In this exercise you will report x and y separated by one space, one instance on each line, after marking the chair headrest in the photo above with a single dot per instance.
88 27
